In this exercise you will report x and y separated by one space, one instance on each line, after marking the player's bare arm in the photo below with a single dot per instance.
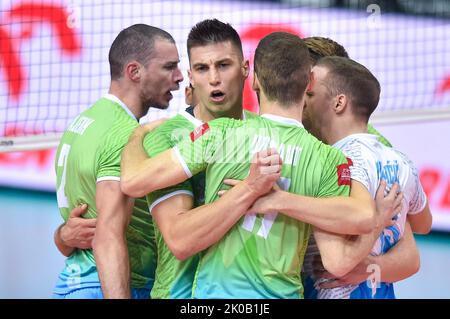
141 174
421 222
400 262
341 253
351 215
188 231
109 244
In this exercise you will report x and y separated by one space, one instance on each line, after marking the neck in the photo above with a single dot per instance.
294 111
342 128
127 95
204 115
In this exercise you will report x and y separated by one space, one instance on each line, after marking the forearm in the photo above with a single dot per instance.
421 222
141 174
62 247
201 227
111 256
356 248
401 261
340 215
109 244
340 254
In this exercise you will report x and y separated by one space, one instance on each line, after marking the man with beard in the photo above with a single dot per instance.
144 70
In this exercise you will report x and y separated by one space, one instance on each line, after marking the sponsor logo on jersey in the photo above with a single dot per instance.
344 177
199 131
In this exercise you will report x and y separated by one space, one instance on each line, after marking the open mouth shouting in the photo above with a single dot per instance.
217 96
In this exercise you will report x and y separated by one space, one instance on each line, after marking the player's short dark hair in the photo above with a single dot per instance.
134 43
212 31
348 77
282 65
320 47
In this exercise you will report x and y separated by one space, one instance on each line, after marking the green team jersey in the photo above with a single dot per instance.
381 138
90 152
174 278
262 255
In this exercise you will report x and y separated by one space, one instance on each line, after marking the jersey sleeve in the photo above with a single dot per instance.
161 195
358 164
335 178
197 149
108 159
157 142
418 198
165 137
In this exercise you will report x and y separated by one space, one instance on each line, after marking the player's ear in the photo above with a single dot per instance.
191 80
133 70
255 84
341 103
245 68
311 83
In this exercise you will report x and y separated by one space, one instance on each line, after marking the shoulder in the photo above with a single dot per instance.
249 114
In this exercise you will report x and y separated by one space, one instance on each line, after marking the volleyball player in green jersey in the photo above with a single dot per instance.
251 260
174 277
214 48
320 47
144 69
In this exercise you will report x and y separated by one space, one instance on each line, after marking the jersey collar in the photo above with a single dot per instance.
282 119
196 121
116 100
344 140
191 118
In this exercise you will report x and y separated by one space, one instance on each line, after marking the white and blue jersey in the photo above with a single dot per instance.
372 162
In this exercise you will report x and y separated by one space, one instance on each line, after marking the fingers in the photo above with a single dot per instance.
398 202
269 160
276 187
78 211
231 182
269 156
393 192
267 170
397 206
381 190
91 222
87 243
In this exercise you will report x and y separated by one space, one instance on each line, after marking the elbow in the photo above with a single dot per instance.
335 267
423 230
416 265
67 253
129 187
178 246
180 251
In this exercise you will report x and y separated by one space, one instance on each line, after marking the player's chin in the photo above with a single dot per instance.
161 106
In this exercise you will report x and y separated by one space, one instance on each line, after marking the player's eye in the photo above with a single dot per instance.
201 68
170 67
